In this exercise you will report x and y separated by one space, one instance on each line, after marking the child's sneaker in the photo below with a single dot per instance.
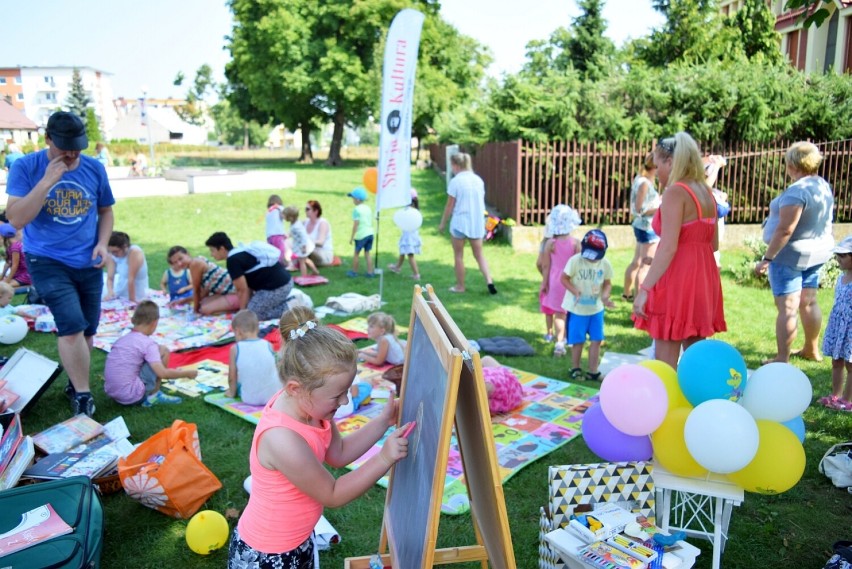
393 268
351 273
416 276
83 403
548 338
70 392
559 349
160 398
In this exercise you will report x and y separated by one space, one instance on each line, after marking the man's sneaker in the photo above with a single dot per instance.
160 398
70 392
83 403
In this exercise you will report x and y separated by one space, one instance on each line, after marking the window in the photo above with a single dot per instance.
2 80
847 65
17 80
20 96
48 79
831 42
50 97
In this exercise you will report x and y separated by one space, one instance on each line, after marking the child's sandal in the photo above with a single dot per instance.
596 376
576 373
559 350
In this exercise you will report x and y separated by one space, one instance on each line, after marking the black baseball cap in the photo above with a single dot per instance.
67 131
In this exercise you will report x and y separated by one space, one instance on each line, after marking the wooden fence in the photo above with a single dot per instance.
524 180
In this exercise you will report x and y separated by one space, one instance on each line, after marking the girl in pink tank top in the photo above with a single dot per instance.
296 434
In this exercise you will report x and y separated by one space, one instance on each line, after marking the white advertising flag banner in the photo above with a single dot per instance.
398 71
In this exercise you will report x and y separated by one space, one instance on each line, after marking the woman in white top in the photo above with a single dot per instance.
644 201
466 203
127 269
319 231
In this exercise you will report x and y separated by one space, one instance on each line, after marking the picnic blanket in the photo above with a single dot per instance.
550 416
212 376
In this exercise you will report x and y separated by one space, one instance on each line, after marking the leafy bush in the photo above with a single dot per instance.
744 272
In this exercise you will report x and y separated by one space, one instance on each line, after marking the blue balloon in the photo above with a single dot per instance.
711 369
611 444
797 425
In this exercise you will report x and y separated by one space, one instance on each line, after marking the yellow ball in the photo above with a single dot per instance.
669 376
779 463
670 450
207 531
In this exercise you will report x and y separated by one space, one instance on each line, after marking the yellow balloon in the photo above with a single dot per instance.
207 531
371 179
669 376
670 450
779 463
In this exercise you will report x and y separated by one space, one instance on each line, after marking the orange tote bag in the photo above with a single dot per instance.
166 474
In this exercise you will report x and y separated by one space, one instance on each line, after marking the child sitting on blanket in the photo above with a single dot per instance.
503 387
381 328
251 372
177 282
136 364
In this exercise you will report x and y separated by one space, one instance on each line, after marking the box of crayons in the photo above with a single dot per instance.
604 556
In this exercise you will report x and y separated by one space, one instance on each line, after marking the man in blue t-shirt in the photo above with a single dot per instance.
63 202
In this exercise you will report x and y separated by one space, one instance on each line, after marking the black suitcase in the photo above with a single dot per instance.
76 502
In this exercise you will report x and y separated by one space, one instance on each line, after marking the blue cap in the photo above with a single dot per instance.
594 245
358 193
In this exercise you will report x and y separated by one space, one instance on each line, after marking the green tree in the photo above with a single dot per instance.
588 48
691 33
814 13
231 128
78 101
755 35
93 128
192 111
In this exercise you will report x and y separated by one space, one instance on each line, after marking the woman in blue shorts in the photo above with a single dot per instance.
644 201
799 241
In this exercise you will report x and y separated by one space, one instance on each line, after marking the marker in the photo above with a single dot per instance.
408 429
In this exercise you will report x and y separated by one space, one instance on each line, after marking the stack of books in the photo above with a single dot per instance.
80 446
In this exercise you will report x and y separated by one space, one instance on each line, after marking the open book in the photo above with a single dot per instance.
36 526
67 434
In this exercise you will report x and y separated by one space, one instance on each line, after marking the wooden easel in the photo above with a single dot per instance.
438 399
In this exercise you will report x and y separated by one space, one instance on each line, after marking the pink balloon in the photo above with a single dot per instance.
634 400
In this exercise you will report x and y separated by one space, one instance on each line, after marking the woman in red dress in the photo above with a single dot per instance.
680 300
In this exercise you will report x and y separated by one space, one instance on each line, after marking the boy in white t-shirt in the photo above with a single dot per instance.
252 371
588 282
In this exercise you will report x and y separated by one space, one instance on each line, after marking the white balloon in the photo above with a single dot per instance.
777 392
408 219
13 329
721 436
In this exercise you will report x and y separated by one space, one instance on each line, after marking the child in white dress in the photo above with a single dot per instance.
409 245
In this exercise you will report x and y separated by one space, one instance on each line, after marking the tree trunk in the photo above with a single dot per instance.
245 135
417 155
307 155
336 139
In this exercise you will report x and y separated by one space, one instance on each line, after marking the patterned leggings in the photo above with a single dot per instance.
243 556
270 304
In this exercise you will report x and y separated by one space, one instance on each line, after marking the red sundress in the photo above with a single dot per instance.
687 300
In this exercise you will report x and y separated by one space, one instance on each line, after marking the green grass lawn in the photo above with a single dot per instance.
795 529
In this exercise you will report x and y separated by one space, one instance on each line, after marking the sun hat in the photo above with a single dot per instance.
67 131
594 245
845 246
358 193
563 220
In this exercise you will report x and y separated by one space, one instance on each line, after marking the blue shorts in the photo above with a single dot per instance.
366 244
643 237
786 280
73 295
581 325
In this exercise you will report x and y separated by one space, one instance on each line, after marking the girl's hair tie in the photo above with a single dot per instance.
301 329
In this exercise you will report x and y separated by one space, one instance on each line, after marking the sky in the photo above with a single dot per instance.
144 45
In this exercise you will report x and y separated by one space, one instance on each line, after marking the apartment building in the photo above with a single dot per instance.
823 49
38 91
